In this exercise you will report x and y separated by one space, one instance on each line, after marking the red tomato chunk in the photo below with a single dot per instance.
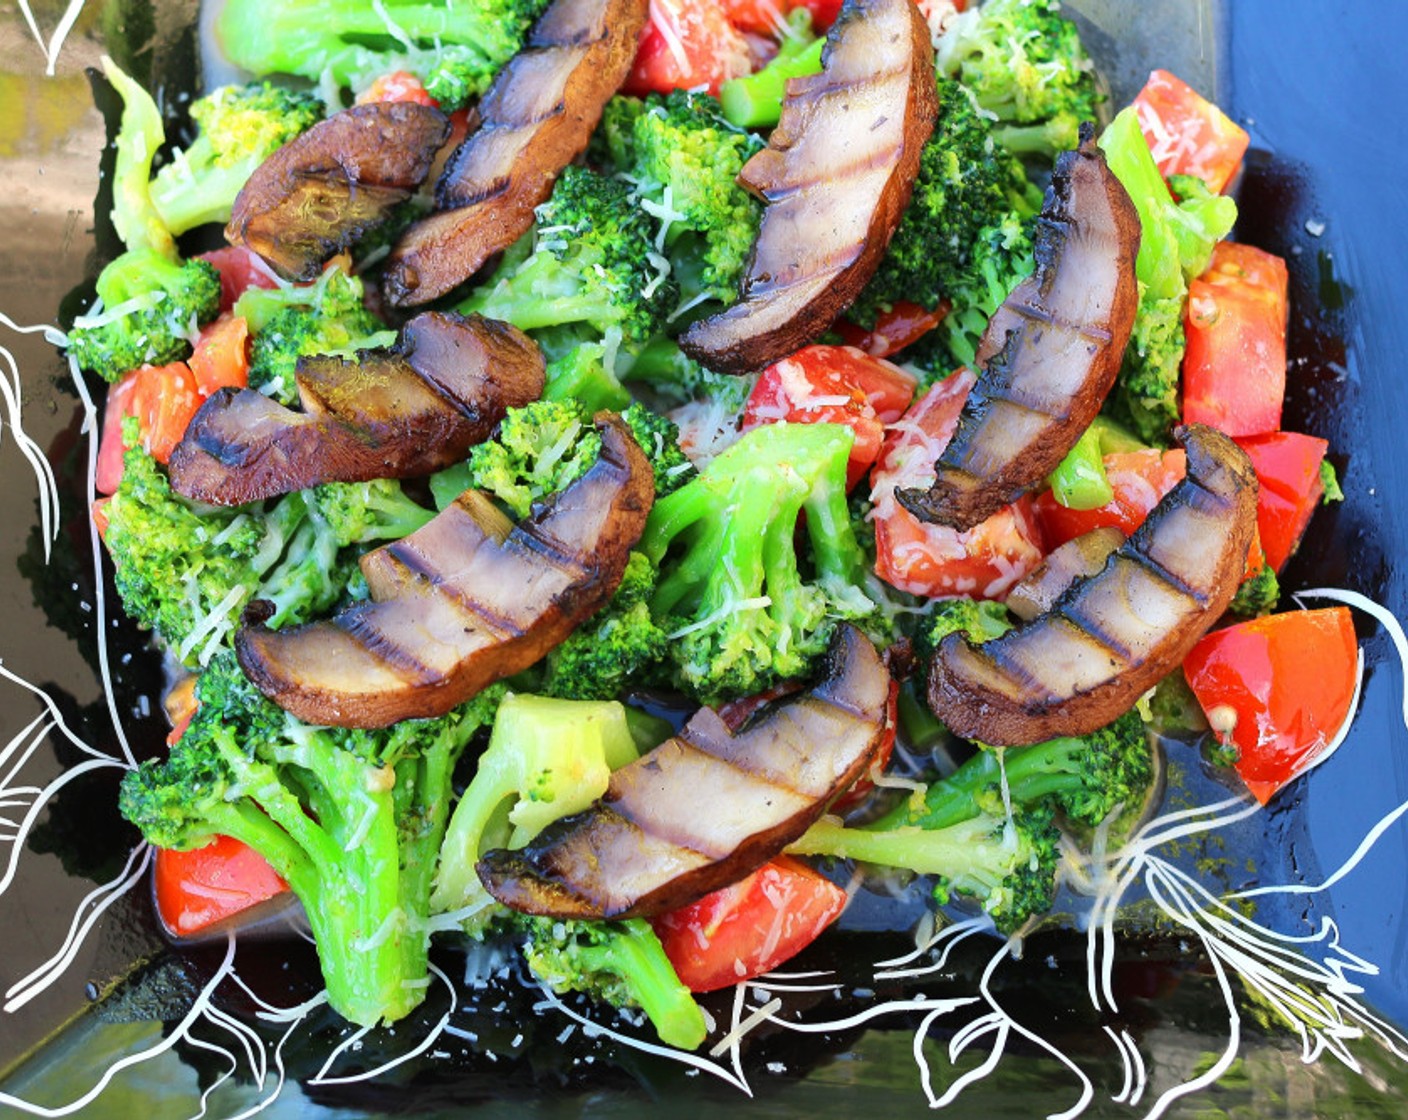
1188 134
196 889
1279 688
1288 470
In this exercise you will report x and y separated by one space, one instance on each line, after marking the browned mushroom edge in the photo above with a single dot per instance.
827 223
706 807
322 191
1111 637
535 119
464 601
1050 353
397 413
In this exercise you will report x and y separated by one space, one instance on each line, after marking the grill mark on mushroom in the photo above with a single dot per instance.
706 807
535 119
462 602
323 190
824 229
395 413
1051 352
1111 636
1084 556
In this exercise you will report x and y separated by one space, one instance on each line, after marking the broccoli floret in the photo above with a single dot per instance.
732 594
538 450
240 127
755 100
1006 863
140 136
619 646
978 620
959 828
1176 241
548 758
288 323
619 963
152 307
1257 594
351 819
455 50
659 438
186 572
685 163
1330 483
1024 65
612 146
593 262
581 375
965 235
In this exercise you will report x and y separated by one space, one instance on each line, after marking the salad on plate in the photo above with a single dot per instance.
616 486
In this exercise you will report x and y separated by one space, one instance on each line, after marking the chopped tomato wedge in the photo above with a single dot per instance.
925 559
1139 480
196 889
688 44
833 385
894 329
165 399
99 512
751 927
221 358
1234 370
1279 688
239 269
1188 134
399 85
1288 469
110 448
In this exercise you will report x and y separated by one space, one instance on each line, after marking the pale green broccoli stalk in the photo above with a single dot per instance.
240 127
581 375
140 136
351 819
755 100
1175 245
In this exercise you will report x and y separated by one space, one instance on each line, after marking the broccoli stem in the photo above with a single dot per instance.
633 952
755 101
140 136
1079 480
183 203
956 850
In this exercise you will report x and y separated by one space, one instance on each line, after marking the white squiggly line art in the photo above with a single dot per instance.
55 43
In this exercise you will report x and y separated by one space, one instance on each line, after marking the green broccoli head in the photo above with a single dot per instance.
685 162
153 307
240 127
1258 593
455 50
288 323
1026 66
659 438
740 612
581 375
962 235
538 450
593 262
363 512
978 620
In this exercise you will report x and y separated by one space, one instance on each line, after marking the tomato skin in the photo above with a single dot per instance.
239 269
687 44
1288 469
196 889
1188 134
165 399
894 329
221 357
750 927
1234 370
833 385
1139 480
1288 679
932 560
110 448
399 85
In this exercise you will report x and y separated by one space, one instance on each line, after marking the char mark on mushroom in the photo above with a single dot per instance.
398 413
535 119
1111 637
836 176
466 600
322 191
706 807
1050 353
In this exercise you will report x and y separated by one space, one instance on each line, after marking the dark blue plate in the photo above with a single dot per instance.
1321 88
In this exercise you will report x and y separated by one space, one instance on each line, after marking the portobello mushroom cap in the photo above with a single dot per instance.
323 190
399 413
1051 352
535 119
706 807
1037 591
466 600
1111 637
836 176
